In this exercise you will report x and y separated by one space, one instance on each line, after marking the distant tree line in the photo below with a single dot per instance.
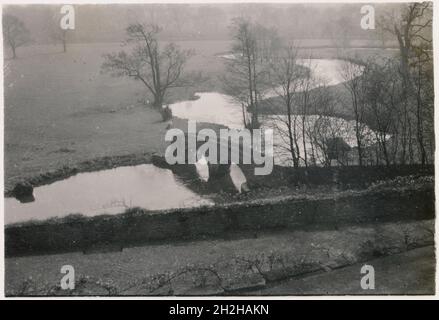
16 34
337 22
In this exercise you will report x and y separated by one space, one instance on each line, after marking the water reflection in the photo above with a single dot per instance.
211 107
105 192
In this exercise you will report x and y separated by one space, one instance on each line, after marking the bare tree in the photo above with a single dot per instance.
285 76
307 84
353 82
383 100
412 27
60 35
15 33
159 68
423 94
246 69
324 130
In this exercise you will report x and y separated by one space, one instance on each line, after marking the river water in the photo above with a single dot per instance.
214 107
105 192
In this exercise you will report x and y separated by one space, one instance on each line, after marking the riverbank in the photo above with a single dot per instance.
42 169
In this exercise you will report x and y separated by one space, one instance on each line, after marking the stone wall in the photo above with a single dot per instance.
138 226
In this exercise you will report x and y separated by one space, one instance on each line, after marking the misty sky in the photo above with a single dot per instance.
106 23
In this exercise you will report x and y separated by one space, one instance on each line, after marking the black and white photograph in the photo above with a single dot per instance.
208 149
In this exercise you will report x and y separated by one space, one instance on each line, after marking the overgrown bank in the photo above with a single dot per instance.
139 226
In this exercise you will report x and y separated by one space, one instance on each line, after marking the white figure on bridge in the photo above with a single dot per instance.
202 169
238 178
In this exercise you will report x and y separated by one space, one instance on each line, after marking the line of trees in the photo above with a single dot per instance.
390 101
16 34
246 71
407 96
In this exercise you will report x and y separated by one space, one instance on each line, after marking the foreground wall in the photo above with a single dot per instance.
138 226
345 177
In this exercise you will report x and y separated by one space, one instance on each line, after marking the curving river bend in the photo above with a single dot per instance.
214 107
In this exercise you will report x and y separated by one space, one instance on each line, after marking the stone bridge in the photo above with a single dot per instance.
226 174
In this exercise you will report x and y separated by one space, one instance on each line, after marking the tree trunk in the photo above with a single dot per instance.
357 132
290 132
419 120
158 103
305 111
